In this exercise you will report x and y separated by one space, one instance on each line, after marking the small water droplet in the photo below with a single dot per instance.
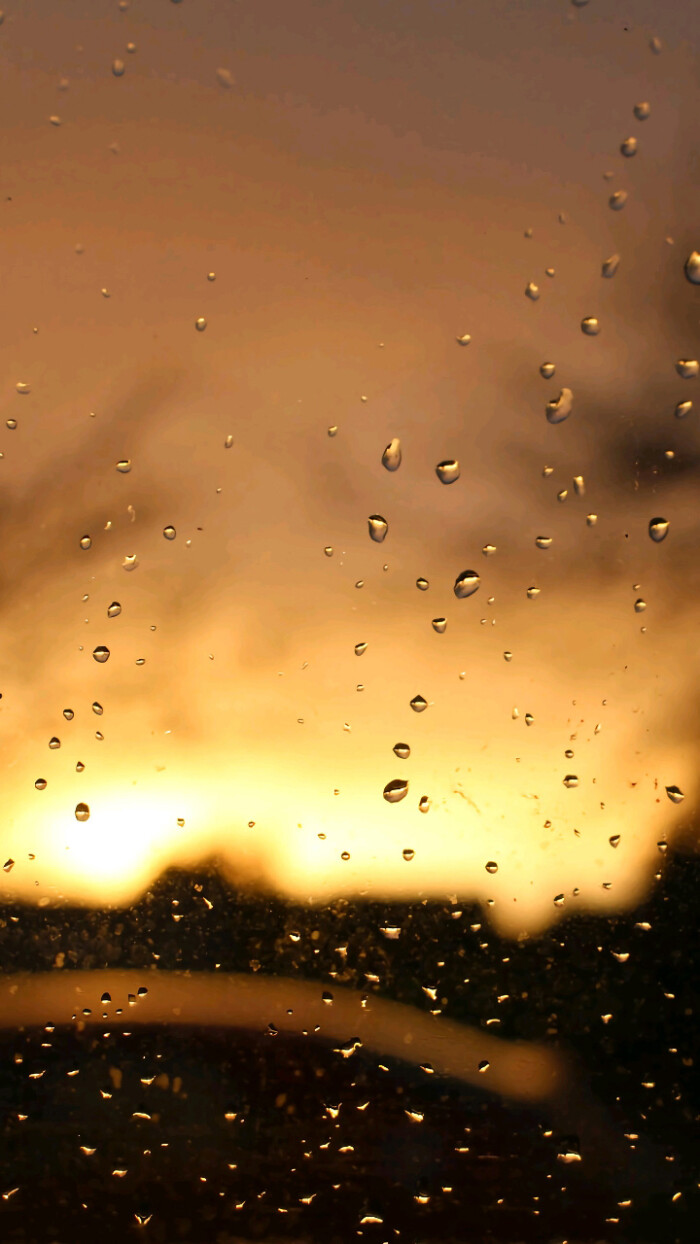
691 268
658 529
448 472
402 750
11 424
559 408
97 708
408 853
200 324
418 704
395 791
687 368
488 550
675 794
8 865
114 609
532 291
23 388
391 458
640 605
124 466
101 654
628 147
615 840
54 743
82 812
118 68
422 584
68 714
130 562
579 485
570 781
378 528
543 542
463 340
507 655
359 649
591 520
439 625
466 584
40 783
590 326
547 370
85 542
683 409
55 120
617 200
642 110
532 592
655 45
424 804
79 767
610 266
333 430
169 533
491 866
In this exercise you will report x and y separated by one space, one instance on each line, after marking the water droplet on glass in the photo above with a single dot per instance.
439 625
333 430
378 527
395 791
675 794
559 408
408 853
124 466
224 77
7 867
610 266
655 45
629 147
97 708
200 324
547 370
424 804
130 562
359 649
68 714
658 529
691 268
54 743
590 326
466 584
23 388
101 654
448 472
488 550
40 783
543 542
570 781
418 704
85 542
615 840
683 409
114 609
687 368
82 812
169 533
463 340
402 750
79 767
617 200
391 458
11 424
531 291
532 592
640 605
491 866
422 584
642 111
591 520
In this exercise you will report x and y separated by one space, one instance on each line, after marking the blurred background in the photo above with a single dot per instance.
245 248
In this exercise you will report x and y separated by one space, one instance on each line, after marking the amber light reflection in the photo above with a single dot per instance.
350 200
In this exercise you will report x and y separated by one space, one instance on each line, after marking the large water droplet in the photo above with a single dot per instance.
658 529
491 867
82 812
378 527
642 111
691 268
687 368
675 794
448 471
418 704
617 200
402 750
590 326
114 609
101 654
391 458
439 625
610 266
559 408
395 791
169 533
466 584
628 147
570 781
